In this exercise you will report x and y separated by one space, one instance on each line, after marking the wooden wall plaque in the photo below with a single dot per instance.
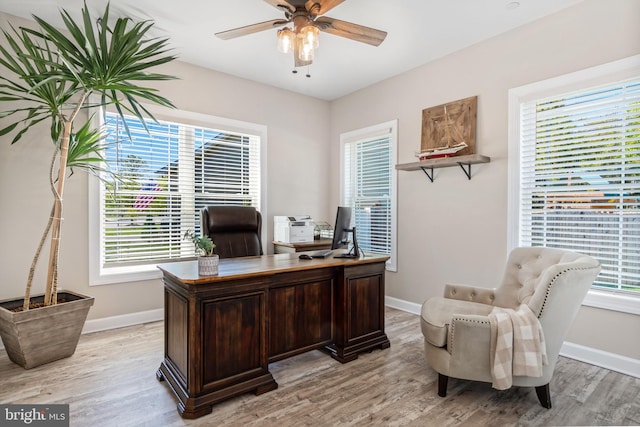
461 115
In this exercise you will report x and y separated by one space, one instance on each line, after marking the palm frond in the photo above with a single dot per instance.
32 61
86 148
85 145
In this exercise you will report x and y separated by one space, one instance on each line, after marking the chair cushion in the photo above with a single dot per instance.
436 315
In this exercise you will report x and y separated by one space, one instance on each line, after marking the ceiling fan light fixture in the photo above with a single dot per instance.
311 35
306 18
305 51
285 40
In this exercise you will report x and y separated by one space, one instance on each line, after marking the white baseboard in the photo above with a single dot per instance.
409 307
593 356
120 321
113 322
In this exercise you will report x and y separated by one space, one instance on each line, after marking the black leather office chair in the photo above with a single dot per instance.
236 230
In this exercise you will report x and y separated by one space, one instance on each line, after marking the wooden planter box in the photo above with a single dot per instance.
42 335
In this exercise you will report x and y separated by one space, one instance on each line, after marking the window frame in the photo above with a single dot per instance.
599 75
100 275
387 128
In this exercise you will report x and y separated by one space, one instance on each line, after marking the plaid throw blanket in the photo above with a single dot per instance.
517 345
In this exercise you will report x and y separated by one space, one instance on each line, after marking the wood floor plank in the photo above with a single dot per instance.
633 414
110 381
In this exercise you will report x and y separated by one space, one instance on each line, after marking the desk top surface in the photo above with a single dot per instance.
302 245
245 267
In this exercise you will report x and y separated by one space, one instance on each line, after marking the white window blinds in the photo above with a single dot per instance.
169 174
369 188
580 178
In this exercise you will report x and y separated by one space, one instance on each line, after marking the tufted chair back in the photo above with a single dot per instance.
530 271
235 230
528 274
552 282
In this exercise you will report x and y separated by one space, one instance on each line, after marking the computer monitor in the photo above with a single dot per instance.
341 233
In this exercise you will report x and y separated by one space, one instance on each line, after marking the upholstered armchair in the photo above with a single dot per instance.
236 230
457 327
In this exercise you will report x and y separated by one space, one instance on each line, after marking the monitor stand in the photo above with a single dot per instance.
346 255
355 250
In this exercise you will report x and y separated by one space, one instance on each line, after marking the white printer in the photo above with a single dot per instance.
293 229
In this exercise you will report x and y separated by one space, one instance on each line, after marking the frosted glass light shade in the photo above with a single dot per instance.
305 52
311 35
285 40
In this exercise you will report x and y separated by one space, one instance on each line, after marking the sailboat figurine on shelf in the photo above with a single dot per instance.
445 150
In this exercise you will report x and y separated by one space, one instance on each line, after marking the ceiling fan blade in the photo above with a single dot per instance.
250 29
351 31
325 5
281 4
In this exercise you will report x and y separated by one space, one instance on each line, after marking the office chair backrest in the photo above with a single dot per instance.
235 230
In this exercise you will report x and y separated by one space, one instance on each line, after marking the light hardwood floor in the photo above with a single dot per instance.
110 381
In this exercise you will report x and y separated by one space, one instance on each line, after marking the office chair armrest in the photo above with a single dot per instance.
470 293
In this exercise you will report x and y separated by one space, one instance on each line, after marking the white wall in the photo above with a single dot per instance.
297 155
455 230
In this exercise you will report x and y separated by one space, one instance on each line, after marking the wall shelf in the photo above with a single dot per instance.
464 162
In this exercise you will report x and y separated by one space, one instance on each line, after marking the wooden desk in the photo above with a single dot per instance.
221 332
289 248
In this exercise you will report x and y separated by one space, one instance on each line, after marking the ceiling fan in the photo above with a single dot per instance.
302 39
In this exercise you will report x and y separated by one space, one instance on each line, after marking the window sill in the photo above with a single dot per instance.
624 303
125 274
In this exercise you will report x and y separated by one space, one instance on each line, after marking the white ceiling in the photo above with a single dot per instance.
419 31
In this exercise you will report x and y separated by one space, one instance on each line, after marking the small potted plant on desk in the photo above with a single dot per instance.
207 260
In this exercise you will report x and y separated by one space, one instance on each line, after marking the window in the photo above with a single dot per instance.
578 177
170 171
369 186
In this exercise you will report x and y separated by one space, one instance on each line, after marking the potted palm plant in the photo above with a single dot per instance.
52 77
207 260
